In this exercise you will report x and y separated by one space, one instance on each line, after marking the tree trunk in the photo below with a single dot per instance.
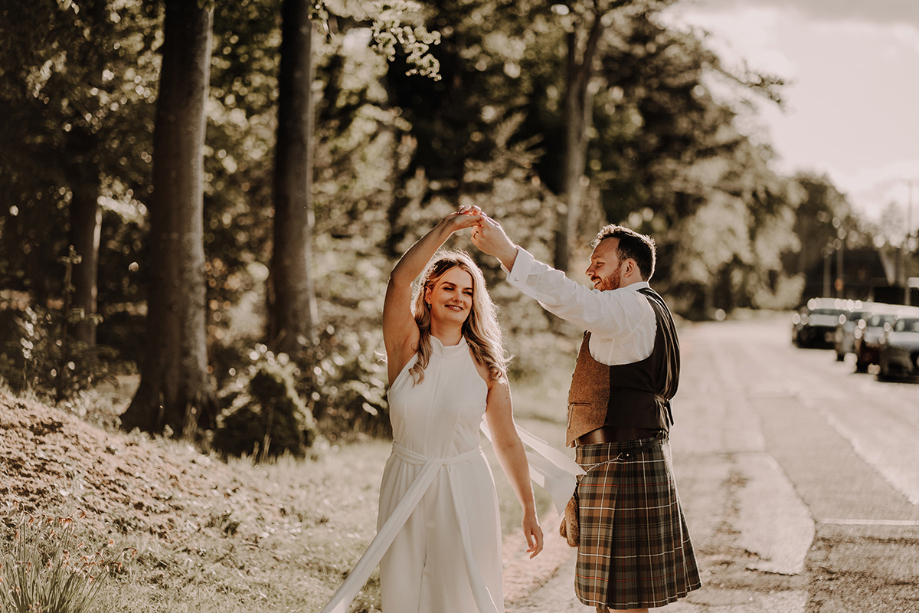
292 303
578 113
175 390
85 230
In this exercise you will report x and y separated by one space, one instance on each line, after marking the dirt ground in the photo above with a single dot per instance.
51 460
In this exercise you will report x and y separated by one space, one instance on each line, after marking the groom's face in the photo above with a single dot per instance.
604 269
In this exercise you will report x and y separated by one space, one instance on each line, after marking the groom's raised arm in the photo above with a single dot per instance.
599 312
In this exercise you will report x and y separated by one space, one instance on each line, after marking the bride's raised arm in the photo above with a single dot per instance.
400 332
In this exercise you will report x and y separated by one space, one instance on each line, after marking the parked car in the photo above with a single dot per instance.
870 333
814 324
844 336
899 352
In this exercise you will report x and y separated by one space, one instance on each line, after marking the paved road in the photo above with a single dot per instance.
799 477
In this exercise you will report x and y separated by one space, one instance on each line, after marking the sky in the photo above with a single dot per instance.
852 94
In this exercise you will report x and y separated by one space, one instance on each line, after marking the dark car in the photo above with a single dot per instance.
814 324
870 334
899 352
844 336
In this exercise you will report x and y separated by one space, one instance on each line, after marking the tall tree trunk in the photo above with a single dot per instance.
292 303
578 113
81 147
175 389
85 231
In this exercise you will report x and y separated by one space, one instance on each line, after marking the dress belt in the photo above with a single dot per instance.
413 457
613 434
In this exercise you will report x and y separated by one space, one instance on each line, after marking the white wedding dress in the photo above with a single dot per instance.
457 518
439 534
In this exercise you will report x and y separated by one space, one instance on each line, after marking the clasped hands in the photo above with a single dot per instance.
487 234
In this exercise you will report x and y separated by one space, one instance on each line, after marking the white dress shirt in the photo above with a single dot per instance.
621 321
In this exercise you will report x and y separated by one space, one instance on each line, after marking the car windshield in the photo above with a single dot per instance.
907 325
827 311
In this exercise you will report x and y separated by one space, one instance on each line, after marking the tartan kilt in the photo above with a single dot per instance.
634 550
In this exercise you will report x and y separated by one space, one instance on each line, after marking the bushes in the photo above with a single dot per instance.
268 418
34 357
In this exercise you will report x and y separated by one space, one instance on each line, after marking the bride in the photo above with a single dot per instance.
439 533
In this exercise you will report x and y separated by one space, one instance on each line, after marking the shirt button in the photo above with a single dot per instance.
430 523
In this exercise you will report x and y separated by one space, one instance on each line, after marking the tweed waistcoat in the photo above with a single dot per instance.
635 395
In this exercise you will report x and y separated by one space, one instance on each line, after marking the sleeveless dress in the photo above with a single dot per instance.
438 539
457 517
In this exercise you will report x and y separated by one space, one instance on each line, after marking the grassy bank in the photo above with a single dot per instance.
220 537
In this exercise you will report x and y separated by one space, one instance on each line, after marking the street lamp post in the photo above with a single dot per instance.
904 255
840 244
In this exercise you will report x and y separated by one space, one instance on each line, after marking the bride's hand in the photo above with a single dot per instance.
533 534
465 217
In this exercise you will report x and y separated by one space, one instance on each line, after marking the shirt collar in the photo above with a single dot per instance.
637 286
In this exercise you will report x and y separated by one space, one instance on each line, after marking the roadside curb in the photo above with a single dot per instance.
523 575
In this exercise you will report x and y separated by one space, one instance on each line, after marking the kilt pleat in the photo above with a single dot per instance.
635 551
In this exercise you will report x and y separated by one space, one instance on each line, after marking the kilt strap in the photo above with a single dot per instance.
624 455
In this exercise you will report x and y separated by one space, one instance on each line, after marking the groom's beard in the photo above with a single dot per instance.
613 281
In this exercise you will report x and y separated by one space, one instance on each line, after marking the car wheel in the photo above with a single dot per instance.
861 366
840 357
884 373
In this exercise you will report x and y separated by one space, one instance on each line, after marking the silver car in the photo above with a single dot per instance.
869 334
814 324
899 353
844 337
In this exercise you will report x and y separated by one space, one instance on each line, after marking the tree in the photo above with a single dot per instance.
728 253
85 234
71 107
74 171
589 21
820 216
84 178
292 303
175 390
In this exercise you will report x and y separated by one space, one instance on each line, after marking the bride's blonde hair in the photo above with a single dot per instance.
481 329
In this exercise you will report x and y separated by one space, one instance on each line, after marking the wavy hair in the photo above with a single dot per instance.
481 329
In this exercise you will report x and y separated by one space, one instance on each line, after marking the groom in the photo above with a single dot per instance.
634 551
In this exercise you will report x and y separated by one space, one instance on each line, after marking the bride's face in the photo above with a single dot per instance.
451 296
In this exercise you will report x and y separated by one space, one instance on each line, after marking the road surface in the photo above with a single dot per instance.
799 479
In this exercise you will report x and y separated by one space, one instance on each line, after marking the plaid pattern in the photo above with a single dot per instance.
635 550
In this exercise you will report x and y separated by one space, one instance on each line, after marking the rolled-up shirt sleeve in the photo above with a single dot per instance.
607 313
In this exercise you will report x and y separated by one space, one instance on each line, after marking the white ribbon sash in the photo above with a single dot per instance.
390 528
550 469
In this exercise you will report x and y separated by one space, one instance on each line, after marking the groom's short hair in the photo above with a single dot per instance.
632 245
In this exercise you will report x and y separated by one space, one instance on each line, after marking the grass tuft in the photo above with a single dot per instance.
46 570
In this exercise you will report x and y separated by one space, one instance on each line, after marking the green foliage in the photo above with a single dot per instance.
340 375
824 216
396 28
76 89
27 358
239 152
31 357
44 569
347 376
391 34
268 419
